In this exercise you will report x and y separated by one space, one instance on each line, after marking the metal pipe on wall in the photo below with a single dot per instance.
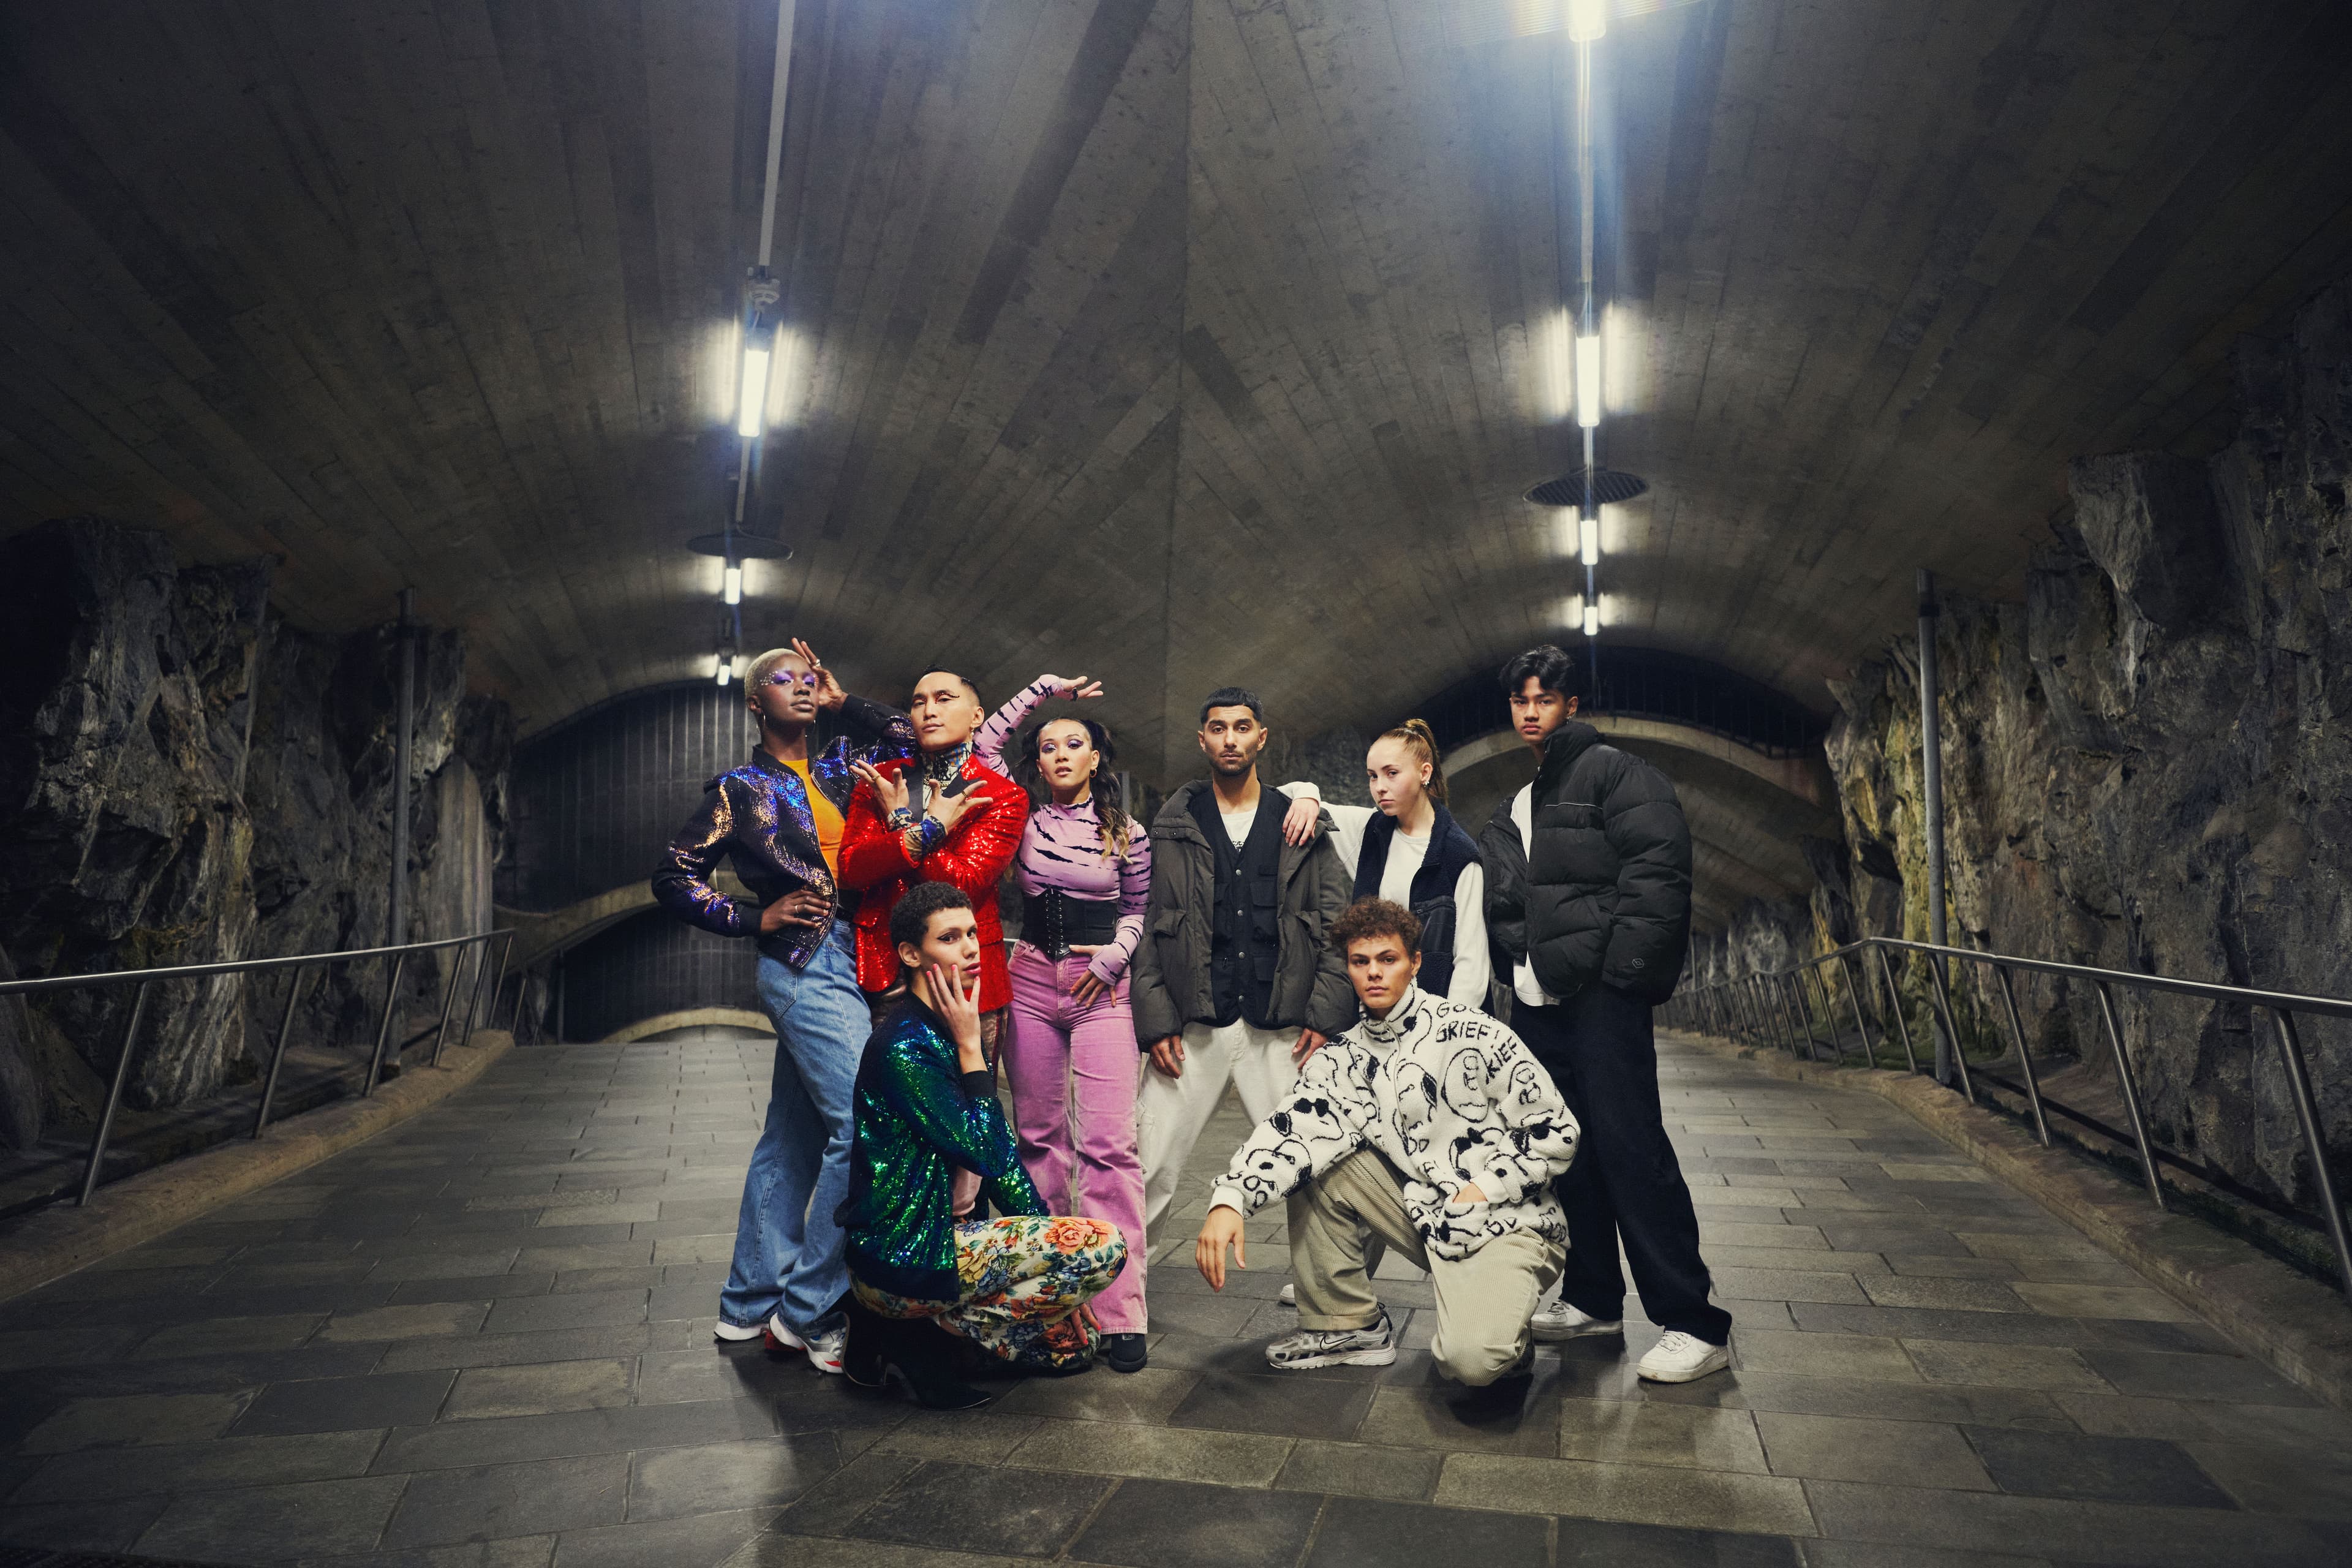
1931 790
396 921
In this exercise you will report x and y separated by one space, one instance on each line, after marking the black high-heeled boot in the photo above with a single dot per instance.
922 1356
865 1353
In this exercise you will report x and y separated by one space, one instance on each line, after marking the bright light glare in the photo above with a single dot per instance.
751 407
726 668
1588 532
1555 366
1592 620
1587 19
733 592
1588 380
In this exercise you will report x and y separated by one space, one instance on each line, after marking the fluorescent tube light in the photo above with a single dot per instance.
1588 380
751 407
1587 19
1589 533
1592 620
726 668
732 593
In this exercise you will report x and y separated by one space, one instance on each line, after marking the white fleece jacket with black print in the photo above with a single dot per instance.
1450 1097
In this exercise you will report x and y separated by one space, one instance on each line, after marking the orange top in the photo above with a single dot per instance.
828 819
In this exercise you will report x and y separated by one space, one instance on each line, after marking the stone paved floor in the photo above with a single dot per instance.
483 1341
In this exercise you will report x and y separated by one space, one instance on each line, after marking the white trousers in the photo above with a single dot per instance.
1170 1112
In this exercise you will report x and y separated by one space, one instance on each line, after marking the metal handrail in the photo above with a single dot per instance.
397 957
1771 1006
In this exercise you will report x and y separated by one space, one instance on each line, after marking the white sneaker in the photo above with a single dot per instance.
1682 1358
1309 1348
1289 1296
824 1351
1557 1320
728 1334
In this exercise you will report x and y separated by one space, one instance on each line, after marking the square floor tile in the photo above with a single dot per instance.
1275 1403
1858 1448
1360 1533
2098 1470
346 1404
967 1507
248 1524
1358 1469
537 1389
1596 1543
717 1477
488 1502
1173 1524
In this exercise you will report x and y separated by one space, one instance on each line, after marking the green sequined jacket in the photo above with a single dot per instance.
918 1117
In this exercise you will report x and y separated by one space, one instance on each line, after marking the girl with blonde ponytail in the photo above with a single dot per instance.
1406 848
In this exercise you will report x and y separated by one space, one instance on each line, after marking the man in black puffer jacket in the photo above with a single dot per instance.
1588 906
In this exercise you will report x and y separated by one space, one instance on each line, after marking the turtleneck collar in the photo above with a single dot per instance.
1389 1030
941 766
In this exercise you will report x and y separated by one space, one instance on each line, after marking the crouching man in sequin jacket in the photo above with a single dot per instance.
1015 1287
779 818
1428 1127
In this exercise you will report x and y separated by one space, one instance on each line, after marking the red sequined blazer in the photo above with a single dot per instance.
973 856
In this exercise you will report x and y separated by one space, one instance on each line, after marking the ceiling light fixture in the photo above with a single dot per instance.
1588 380
1588 537
1587 19
726 665
751 398
731 590
1591 618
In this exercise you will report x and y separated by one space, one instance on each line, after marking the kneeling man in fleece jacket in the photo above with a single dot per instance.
1427 1127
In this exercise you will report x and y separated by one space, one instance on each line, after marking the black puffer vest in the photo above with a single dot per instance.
1451 851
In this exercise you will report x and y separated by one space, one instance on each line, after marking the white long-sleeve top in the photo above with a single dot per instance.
1473 969
1450 1097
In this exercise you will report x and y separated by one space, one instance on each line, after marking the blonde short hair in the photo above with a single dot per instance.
763 666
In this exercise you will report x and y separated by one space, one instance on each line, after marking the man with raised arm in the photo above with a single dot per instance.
778 819
1427 1126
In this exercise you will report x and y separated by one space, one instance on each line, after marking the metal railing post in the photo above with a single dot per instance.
278 1057
1895 1005
1940 995
2298 1078
2025 1056
384 1027
1854 999
506 951
2131 1094
1792 996
1829 1011
473 1002
448 1001
114 1093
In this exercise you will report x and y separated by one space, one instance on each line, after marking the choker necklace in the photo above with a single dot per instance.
941 766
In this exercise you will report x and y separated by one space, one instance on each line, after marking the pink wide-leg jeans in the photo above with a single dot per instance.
1072 1073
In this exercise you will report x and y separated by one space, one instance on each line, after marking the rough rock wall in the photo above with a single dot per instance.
2148 763
184 779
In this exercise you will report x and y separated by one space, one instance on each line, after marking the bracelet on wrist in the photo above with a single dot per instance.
902 817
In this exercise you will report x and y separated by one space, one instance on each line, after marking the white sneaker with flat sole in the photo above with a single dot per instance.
1682 1358
728 1334
1557 1320
1289 1296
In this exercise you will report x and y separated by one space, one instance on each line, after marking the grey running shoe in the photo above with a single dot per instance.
1309 1348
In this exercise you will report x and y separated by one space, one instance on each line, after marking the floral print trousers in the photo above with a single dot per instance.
1024 1278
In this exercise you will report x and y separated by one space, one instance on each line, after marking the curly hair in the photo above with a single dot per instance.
911 917
1375 917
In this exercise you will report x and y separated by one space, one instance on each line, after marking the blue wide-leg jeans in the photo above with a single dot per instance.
788 1246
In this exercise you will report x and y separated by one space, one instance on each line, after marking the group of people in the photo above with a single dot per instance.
1444 1042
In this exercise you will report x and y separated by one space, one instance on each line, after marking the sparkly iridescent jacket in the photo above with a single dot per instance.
918 1117
758 815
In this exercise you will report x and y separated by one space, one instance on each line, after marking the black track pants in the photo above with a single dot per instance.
1626 1182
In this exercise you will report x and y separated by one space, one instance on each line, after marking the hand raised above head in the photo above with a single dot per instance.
830 693
1076 687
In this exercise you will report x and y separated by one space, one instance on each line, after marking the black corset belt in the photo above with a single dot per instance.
1054 922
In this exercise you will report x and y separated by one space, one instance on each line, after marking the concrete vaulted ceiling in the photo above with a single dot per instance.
1178 342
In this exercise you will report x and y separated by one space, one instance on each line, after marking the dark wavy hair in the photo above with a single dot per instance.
1116 828
1551 666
